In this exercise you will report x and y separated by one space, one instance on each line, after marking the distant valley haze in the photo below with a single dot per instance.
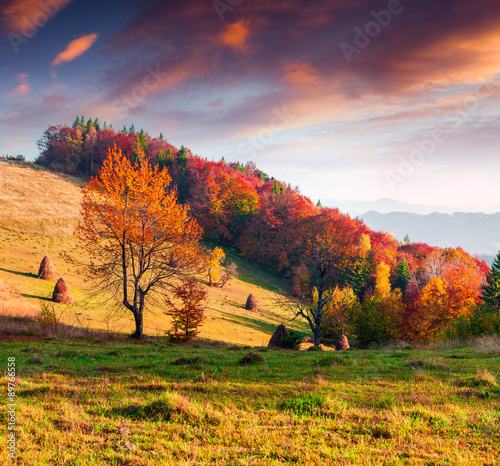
444 226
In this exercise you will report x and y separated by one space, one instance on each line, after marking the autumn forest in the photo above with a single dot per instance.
342 277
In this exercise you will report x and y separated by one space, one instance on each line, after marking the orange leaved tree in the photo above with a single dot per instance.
138 238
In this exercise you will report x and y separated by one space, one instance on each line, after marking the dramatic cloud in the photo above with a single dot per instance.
24 16
22 88
362 83
75 48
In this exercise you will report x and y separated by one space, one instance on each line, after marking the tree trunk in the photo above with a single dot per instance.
138 324
138 312
318 317
317 335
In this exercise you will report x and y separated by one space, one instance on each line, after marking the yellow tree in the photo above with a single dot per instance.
139 240
382 284
340 309
214 261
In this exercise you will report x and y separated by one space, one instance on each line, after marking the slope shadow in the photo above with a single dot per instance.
24 274
248 322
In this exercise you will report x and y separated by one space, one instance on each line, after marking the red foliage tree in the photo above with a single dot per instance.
188 316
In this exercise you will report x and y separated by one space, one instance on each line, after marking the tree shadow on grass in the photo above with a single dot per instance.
24 274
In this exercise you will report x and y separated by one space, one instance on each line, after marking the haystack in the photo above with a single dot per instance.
61 293
47 271
278 335
251 304
342 343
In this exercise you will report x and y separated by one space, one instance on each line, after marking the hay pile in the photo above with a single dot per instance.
278 335
251 304
62 293
342 343
47 271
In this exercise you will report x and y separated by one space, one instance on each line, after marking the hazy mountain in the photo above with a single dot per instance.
477 233
387 205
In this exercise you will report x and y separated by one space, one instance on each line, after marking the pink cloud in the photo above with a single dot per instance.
22 88
25 15
75 48
235 35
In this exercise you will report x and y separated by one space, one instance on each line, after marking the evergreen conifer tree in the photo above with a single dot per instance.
182 189
491 290
402 275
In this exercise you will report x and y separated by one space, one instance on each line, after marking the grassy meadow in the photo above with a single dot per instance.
224 399
92 403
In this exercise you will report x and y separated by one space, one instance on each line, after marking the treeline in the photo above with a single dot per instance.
351 279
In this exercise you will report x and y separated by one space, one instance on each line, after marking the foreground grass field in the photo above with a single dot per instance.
84 403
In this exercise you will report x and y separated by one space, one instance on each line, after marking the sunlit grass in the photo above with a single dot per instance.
152 403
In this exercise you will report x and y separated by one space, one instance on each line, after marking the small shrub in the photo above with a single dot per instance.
251 358
292 341
48 318
168 406
235 348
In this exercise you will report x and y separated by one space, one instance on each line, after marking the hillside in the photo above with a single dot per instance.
39 212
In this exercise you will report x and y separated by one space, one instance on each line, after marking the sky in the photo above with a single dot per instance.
347 99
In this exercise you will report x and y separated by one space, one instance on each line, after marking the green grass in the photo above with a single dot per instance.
151 403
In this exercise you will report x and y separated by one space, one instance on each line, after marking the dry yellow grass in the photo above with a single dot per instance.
38 212
12 303
37 200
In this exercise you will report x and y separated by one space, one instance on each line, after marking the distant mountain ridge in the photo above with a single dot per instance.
388 205
477 233
446 226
